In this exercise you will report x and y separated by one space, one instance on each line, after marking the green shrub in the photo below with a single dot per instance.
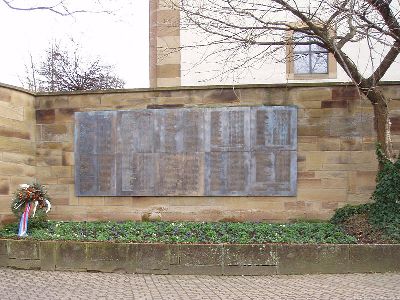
185 232
342 214
387 192
384 212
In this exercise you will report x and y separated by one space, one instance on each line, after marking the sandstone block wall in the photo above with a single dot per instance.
336 160
164 43
17 144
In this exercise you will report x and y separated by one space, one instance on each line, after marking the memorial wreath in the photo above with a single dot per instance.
29 200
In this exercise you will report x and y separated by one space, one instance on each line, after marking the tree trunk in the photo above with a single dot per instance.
382 121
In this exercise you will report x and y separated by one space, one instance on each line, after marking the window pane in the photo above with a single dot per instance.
299 37
316 48
319 63
302 63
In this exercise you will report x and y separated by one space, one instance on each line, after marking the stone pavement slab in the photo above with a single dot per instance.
22 284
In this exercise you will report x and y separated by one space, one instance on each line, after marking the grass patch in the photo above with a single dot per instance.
184 232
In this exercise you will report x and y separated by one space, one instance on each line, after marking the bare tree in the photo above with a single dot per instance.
239 25
63 70
59 7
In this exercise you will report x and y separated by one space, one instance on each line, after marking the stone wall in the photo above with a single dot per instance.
17 144
336 161
164 43
199 259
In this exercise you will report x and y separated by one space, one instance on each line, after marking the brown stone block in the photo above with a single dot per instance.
328 144
24 264
374 258
337 157
58 200
307 94
322 195
250 255
27 147
5 94
395 127
45 152
61 171
330 205
5 204
47 255
4 186
59 101
220 96
333 183
71 256
312 259
169 71
351 144
314 160
308 103
307 174
49 161
151 258
106 257
69 180
295 205
310 130
262 97
362 157
6 132
65 115
9 111
90 201
307 183
46 146
339 167
10 144
334 104
201 255
45 116
68 158
86 100
21 249
22 99
58 189
7 168
56 133
19 158
345 93
119 201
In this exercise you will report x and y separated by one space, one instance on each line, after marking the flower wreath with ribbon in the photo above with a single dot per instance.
29 200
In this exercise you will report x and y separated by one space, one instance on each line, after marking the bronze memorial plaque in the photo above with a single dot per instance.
230 151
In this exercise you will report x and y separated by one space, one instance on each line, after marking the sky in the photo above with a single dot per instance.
119 39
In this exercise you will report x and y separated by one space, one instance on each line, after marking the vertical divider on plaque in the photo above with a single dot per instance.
85 153
105 150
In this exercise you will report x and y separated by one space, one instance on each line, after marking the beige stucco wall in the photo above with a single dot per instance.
17 144
336 161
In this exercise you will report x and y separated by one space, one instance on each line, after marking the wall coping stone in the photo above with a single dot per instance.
16 88
199 259
180 88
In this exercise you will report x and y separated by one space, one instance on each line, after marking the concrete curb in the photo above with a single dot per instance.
200 259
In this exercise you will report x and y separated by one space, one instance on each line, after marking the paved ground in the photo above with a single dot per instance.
15 284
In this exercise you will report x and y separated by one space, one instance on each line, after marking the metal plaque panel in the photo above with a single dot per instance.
230 151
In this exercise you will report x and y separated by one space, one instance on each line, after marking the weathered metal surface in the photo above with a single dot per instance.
233 151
